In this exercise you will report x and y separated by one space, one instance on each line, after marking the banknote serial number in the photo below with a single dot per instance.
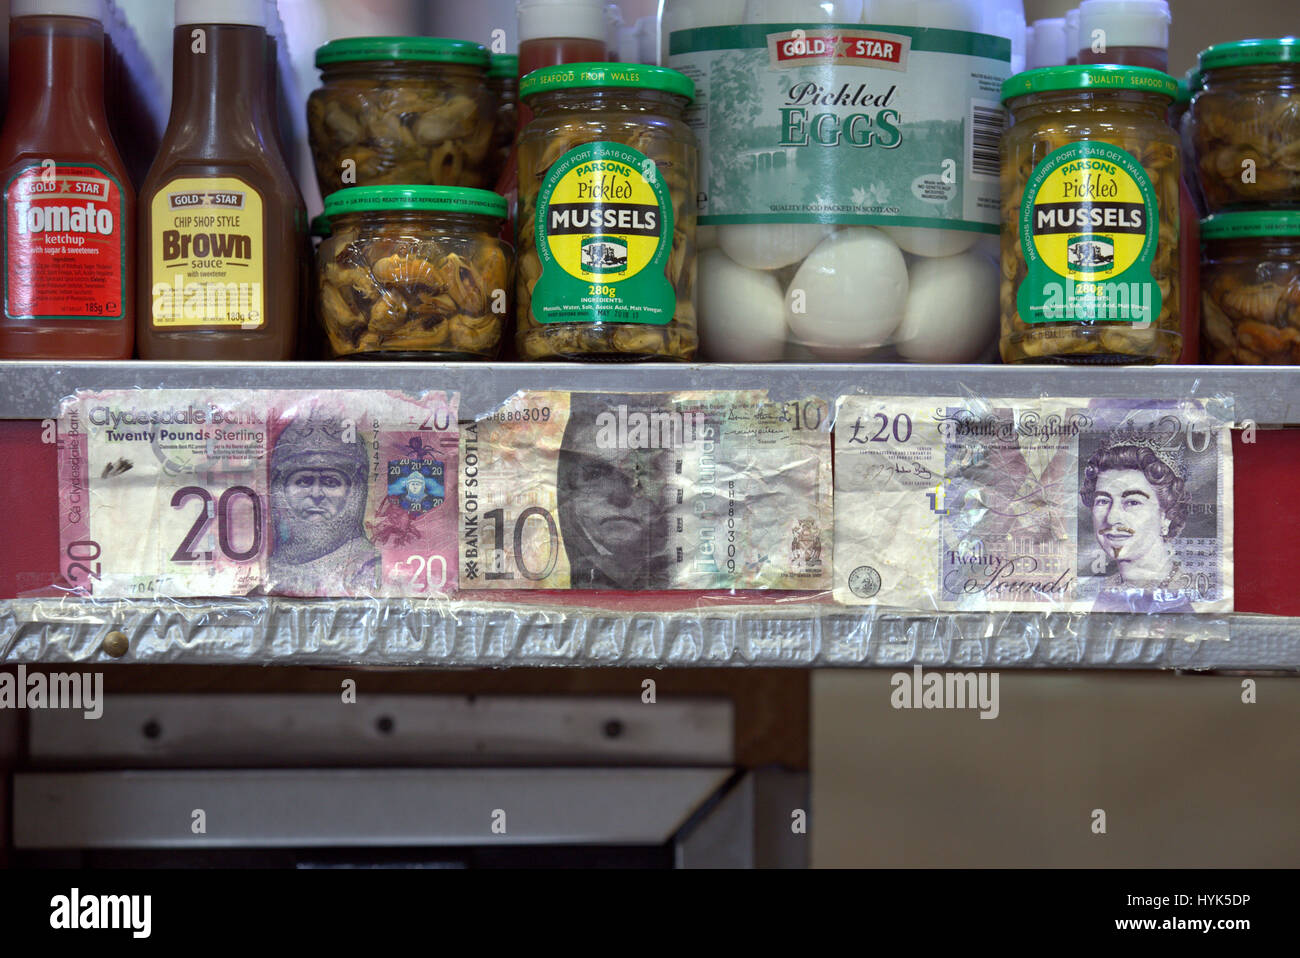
529 414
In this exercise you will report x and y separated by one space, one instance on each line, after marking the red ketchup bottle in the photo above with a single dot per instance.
551 32
69 207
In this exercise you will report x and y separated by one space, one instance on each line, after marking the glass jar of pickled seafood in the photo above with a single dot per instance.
401 110
607 184
1250 288
1090 217
414 272
1244 124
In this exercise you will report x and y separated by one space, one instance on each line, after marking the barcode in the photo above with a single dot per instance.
986 120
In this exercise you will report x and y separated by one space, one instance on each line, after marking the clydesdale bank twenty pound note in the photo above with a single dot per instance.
227 493
1039 505
692 490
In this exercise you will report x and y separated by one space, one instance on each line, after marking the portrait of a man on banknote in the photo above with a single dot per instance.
613 492
318 484
1136 493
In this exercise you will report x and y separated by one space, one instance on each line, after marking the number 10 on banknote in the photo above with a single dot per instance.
973 504
211 493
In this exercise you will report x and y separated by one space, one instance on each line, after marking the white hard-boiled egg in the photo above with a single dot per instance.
742 311
849 295
925 241
770 245
952 309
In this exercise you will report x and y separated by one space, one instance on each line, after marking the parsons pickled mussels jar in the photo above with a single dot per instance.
607 183
1090 217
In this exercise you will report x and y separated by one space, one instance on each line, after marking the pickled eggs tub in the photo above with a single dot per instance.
848 185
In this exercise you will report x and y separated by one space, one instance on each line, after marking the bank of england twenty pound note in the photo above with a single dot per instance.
949 504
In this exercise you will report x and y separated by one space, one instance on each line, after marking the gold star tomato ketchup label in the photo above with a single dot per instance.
64 243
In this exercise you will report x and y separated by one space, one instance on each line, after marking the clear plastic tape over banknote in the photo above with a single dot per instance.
571 528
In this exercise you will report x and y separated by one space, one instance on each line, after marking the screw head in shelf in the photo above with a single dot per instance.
116 644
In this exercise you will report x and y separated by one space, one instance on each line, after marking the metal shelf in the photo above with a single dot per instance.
271 631
1266 395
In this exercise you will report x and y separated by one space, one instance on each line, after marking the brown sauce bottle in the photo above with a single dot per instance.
222 223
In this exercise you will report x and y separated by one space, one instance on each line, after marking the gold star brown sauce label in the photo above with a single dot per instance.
208 254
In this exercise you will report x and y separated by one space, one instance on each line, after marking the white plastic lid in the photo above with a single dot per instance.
1047 44
248 13
1125 23
273 23
1072 34
584 19
89 9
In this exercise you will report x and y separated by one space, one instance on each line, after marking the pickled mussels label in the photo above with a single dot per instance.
604 235
207 254
846 123
64 243
1089 227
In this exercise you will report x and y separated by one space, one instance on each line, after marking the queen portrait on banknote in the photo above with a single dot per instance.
1135 489
318 484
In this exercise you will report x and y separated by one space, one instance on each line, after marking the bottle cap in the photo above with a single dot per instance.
583 19
88 9
1251 223
1071 34
244 13
504 65
433 199
1090 77
572 76
1125 23
1047 48
426 49
1244 53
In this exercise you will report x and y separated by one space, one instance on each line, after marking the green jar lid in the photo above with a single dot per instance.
1245 53
427 49
1253 223
503 65
1089 77
320 226
575 76
435 199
